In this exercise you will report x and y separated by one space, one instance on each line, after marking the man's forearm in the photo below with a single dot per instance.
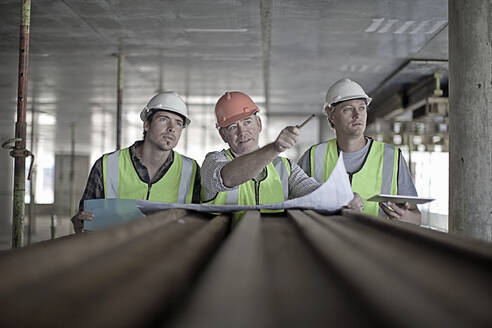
247 166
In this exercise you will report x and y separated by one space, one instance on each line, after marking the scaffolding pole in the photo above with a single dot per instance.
32 182
72 171
20 152
119 101
187 95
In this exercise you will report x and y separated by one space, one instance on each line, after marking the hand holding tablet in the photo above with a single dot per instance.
397 199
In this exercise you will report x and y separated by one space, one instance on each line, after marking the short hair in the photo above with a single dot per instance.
328 111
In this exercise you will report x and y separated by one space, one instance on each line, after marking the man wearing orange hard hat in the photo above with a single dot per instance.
246 174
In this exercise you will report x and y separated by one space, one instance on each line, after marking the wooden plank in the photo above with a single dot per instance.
122 286
403 282
266 276
38 261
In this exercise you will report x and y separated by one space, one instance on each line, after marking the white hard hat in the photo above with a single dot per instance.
342 90
169 101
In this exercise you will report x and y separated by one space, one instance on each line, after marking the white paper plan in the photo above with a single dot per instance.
329 197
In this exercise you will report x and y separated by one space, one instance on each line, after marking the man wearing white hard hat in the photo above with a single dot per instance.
373 167
245 173
149 169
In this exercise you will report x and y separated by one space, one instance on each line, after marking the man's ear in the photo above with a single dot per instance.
259 122
146 125
330 116
222 134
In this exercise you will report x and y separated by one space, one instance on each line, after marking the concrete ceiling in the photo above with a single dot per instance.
283 53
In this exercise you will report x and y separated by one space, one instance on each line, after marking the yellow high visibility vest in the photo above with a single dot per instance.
273 189
378 175
122 181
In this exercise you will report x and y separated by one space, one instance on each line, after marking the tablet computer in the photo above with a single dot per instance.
399 199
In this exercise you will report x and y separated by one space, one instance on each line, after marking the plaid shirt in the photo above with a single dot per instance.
95 183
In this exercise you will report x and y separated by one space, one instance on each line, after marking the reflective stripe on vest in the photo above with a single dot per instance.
122 181
111 182
378 174
274 188
282 169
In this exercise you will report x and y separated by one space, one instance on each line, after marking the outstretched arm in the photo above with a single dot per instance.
246 167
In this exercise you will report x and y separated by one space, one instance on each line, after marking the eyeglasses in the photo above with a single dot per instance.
245 123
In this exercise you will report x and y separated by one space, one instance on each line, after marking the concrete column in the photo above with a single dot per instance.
470 118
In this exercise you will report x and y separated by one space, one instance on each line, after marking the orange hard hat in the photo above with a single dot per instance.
232 107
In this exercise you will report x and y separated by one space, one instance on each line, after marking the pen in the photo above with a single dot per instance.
305 122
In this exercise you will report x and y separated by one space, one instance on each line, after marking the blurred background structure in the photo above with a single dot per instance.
285 54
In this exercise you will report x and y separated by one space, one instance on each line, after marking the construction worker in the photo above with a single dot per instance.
149 169
246 174
373 167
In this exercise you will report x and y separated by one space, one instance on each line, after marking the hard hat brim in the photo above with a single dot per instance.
148 111
236 118
346 98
